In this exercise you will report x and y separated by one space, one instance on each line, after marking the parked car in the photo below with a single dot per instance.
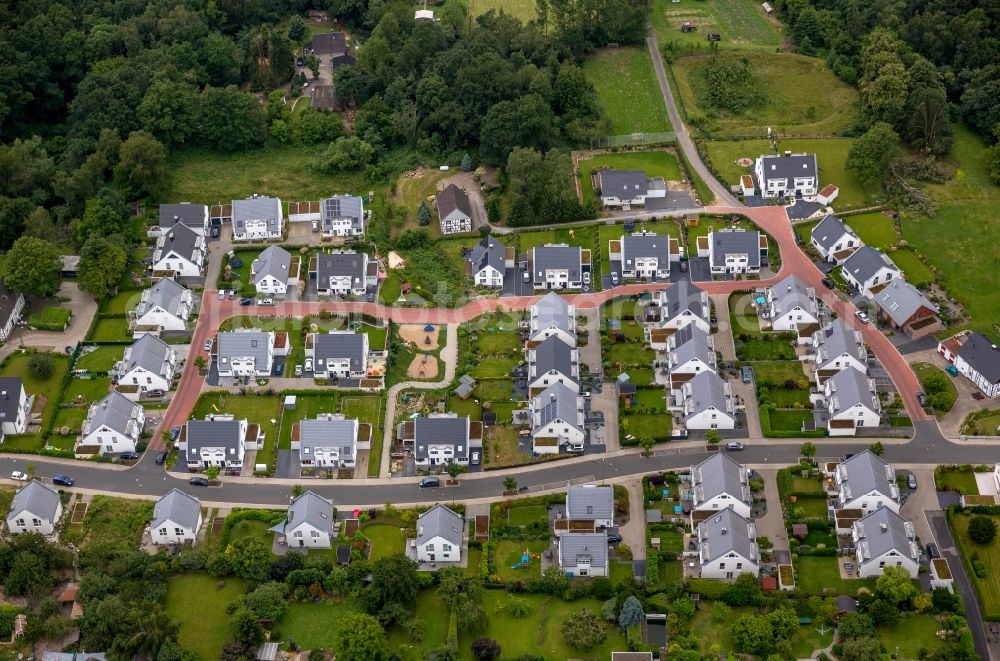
208 344
932 550
828 283
527 276
19 475
298 370
431 481
246 301
951 369
614 538
911 481
62 480
175 431
922 398
862 316
734 445
129 456
198 481
232 294
474 460
309 364
266 301
575 447
684 267
315 226
747 374
222 294
155 392
614 278
214 232
586 277
162 458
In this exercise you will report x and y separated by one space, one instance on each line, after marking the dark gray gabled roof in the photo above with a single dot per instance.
190 215
326 433
439 521
866 472
789 167
10 397
309 508
329 43
850 387
244 344
441 431
882 531
866 262
556 257
257 208
901 300
342 206
182 240
557 402
717 475
739 242
35 498
829 230
982 355
340 264
213 434
836 339
708 390
554 355
725 532
338 346
623 184
148 352
792 293
692 342
453 198
680 297
167 294
114 411
635 246
177 507
273 261
575 546
488 252
588 502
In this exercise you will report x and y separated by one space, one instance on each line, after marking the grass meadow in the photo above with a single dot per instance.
741 24
627 90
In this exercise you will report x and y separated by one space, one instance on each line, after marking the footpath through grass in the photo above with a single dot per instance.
627 90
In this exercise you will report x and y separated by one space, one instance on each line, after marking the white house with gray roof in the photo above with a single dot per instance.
308 524
851 402
791 305
488 261
674 308
330 440
113 425
552 315
35 508
556 419
885 539
342 216
270 273
176 519
690 351
584 554
557 266
906 309
244 353
182 251
789 175
192 216
441 438
866 482
589 502
644 255
149 364
834 240
727 546
553 361
733 251
344 273
868 269
979 360
257 218
838 347
218 440
627 188
439 535
706 402
338 354
15 406
720 483
166 306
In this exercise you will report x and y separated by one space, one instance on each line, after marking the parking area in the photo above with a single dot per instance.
514 283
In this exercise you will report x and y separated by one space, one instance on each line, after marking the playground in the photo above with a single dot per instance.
512 563
423 366
423 338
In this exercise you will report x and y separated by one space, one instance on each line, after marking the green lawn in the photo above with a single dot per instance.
641 108
509 552
963 482
45 391
807 486
71 418
522 9
653 425
630 353
820 575
875 229
917 273
385 540
741 23
101 359
364 408
526 515
962 240
110 330
435 615
51 318
494 366
813 507
711 632
195 602
911 636
83 391
257 409
808 639
121 303
784 397
315 626
653 163
789 420
621 572
247 528
239 278
924 371
989 554
774 373
388 292
799 94
497 342
305 407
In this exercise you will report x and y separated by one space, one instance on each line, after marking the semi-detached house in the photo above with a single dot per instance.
733 251
219 440
114 425
644 255
257 218
271 272
192 216
834 240
149 364
727 546
558 266
342 216
488 261
181 251
442 438
166 306
789 175
244 353
720 483
866 482
344 273
338 354
867 270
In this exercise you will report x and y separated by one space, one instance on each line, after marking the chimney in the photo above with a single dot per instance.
724 531
884 527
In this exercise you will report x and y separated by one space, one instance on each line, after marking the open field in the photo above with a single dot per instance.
653 163
800 95
875 229
198 605
962 240
740 22
917 273
522 9
988 588
639 110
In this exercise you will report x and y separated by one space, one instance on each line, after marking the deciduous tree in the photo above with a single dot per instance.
871 153
32 267
583 630
361 638
102 264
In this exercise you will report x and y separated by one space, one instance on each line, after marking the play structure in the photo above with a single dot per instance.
526 559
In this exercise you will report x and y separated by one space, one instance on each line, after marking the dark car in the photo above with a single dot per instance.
430 482
162 458
614 538
932 550
128 456
246 301
828 283
62 480
911 481
155 392
214 232
684 267
175 431
198 481
922 398
747 374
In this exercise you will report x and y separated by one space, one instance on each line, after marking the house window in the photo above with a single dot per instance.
739 565
36 522
430 548
446 547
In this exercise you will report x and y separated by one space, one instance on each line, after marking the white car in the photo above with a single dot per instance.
222 294
208 344
586 277
862 316
19 476
309 364
298 370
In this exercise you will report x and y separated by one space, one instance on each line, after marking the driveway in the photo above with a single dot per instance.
724 337
467 182
772 524
84 308
920 503
634 532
